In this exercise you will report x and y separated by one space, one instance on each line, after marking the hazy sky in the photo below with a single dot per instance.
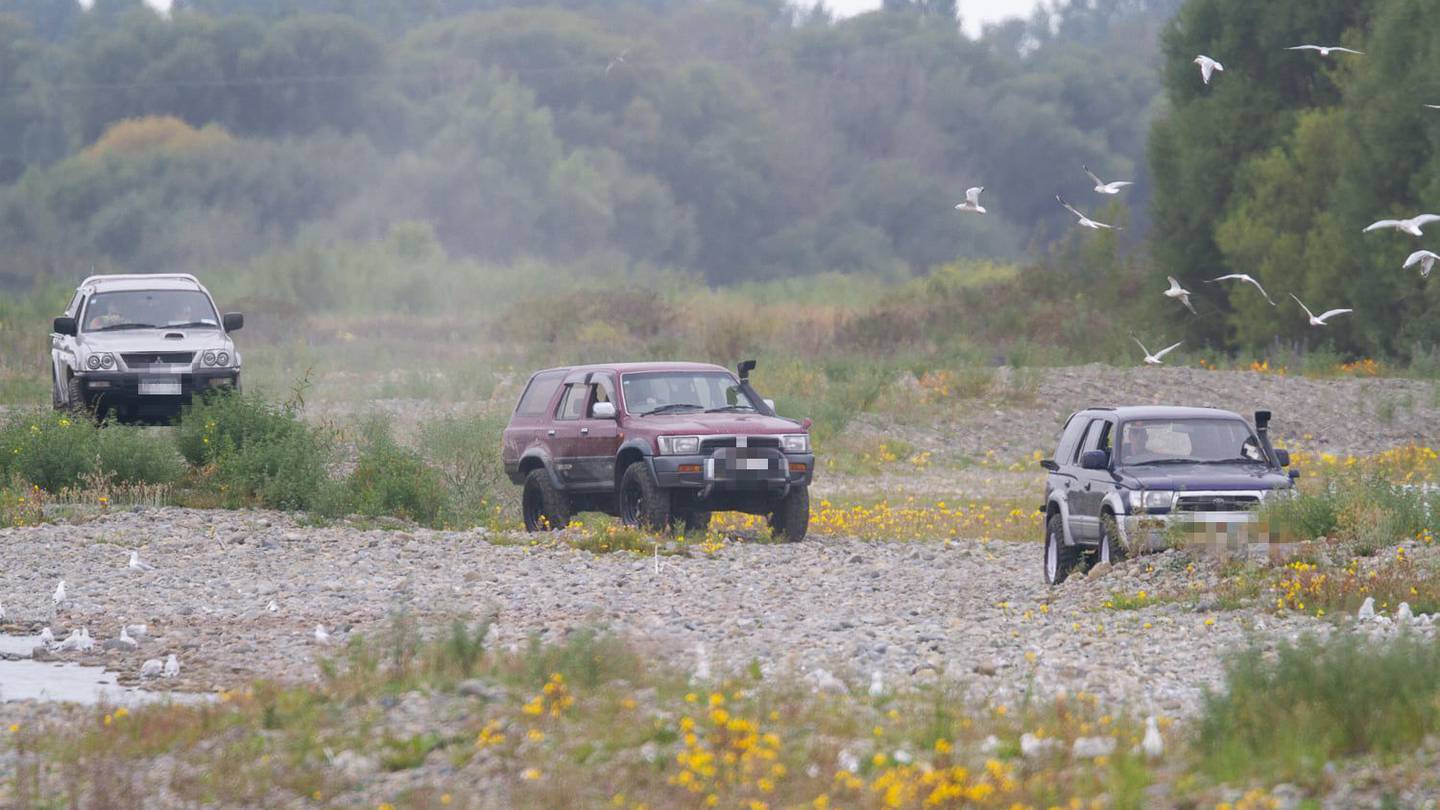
972 12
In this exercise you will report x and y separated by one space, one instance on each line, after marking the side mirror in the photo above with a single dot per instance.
1283 456
1049 464
65 325
234 321
770 403
1294 475
1095 459
603 410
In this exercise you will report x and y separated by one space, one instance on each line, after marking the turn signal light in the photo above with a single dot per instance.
689 468
796 466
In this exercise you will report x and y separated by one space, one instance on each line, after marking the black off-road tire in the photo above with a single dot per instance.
791 518
695 522
1059 559
75 400
1110 550
544 507
643 503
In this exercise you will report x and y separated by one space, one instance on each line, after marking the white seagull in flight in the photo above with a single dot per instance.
1425 259
1245 278
1085 222
1156 359
1102 187
1325 50
972 201
1180 294
1319 321
1208 67
1411 226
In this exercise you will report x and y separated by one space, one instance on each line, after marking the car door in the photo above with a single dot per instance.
564 432
599 439
532 418
1094 485
62 349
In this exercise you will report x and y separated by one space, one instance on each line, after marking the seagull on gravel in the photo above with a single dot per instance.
1155 359
1208 67
136 565
126 640
822 681
137 630
877 684
272 607
972 201
172 666
1403 614
1180 294
1320 320
1411 226
76 641
151 669
322 636
47 638
1325 50
702 664
1425 259
1102 187
1367 609
1245 278
59 596
1153 745
1085 222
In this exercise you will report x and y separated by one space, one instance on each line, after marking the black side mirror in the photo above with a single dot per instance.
1049 464
65 325
234 321
1095 459
1282 456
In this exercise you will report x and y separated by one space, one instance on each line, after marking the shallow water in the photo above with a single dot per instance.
26 679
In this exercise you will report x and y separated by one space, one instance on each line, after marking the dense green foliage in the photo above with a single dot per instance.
257 451
56 450
1277 166
739 139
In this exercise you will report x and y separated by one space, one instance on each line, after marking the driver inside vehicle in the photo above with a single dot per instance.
102 314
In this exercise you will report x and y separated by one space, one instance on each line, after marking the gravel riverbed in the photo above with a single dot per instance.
909 610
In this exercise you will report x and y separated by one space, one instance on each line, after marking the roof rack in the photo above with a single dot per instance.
139 277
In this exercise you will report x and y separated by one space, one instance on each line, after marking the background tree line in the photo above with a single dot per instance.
738 139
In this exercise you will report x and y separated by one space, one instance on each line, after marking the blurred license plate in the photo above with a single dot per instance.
752 463
159 388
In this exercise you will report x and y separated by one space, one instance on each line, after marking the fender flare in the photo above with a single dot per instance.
1059 504
544 458
634 445
1116 504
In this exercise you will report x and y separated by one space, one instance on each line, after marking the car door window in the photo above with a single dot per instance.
1091 434
572 406
604 391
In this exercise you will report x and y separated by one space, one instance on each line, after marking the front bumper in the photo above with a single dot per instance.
1220 531
123 388
729 470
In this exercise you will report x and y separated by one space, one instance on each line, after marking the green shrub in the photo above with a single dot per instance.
465 450
50 450
261 452
1284 715
129 455
392 480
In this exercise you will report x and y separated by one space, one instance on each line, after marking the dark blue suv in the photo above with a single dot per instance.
1121 476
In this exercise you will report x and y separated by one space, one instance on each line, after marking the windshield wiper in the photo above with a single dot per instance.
1159 461
1235 461
674 406
114 326
192 325
724 408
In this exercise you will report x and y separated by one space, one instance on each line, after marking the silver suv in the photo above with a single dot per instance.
141 346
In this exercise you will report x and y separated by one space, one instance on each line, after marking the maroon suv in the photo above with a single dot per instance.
660 445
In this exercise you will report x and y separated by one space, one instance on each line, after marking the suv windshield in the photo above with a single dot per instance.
149 309
682 391
1190 441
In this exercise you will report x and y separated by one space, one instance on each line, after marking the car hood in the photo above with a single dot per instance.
1192 477
154 340
708 424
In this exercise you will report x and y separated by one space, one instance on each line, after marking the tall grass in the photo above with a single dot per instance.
1284 715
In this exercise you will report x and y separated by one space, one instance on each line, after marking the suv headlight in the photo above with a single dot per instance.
679 445
796 443
214 358
1153 499
100 360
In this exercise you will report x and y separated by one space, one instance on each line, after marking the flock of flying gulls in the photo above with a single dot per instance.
1424 259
